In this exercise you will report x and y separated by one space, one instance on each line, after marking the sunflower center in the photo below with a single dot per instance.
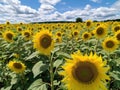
17 65
19 29
85 72
27 34
45 41
116 28
75 33
110 44
100 31
118 36
88 23
9 36
59 34
86 36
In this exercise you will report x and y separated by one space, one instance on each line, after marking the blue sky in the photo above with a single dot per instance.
55 10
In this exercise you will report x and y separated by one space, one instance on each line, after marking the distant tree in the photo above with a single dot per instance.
79 19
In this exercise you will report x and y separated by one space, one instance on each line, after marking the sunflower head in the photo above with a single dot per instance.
85 71
75 33
7 23
43 42
86 36
58 39
19 29
59 34
110 44
16 66
100 31
8 36
88 23
27 34
116 28
117 36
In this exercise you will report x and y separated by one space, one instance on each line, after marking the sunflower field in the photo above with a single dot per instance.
60 56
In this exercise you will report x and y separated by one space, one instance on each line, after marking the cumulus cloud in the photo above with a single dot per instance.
116 4
47 6
14 11
51 2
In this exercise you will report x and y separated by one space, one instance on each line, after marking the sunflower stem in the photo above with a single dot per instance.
51 72
96 45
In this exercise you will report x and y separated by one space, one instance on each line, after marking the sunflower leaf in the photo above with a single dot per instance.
38 68
34 54
7 88
38 85
57 63
63 54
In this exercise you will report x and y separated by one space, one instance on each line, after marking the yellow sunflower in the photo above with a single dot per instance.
110 44
117 36
8 36
27 34
58 39
58 33
116 28
16 66
19 29
100 31
7 23
43 42
86 36
75 33
88 23
85 72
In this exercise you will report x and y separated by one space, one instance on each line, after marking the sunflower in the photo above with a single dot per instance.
16 66
117 36
59 34
43 42
27 34
58 39
110 44
116 28
85 72
86 36
100 31
8 36
19 29
75 33
88 23
7 23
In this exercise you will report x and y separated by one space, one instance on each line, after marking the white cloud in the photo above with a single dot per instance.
14 11
116 4
87 7
95 0
51 2
46 9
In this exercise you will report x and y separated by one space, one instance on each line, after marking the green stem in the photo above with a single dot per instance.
96 45
51 72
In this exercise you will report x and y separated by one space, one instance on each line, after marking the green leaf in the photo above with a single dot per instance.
115 75
63 54
34 54
56 49
8 88
38 68
55 82
57 63
38 85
